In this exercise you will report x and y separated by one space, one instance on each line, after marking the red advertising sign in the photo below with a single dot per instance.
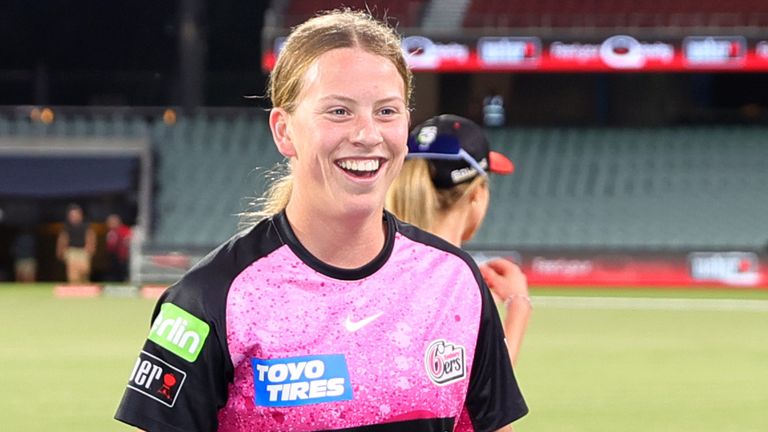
723 269
613 54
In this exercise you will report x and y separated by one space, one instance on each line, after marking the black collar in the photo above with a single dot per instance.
289 237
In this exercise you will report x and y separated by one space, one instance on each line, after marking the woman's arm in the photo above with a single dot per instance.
508 282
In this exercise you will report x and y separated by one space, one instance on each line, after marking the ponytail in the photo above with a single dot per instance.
412 196
274 200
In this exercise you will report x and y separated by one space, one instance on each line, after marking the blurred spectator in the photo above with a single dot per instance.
493 110
76 245
118 248
25 257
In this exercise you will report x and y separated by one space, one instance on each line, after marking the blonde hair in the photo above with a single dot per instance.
340 28
413 197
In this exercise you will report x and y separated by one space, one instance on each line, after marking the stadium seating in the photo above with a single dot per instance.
573 188
442 14
672 188
616 13
405 12
207 170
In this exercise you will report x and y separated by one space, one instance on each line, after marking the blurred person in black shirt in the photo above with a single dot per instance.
75 246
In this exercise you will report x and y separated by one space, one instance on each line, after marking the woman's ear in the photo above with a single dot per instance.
475 193
478 197
278 123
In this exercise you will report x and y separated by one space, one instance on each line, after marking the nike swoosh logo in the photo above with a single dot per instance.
353 326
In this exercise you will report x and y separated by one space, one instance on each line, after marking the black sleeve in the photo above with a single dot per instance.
494 399
180 378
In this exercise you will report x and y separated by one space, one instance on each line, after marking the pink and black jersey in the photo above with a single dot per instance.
262 336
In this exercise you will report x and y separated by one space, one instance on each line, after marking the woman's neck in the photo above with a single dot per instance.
450 225
344 241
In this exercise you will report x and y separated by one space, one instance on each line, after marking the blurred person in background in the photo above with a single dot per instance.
76 245
443 189
318 317
118 246
493 110
25 256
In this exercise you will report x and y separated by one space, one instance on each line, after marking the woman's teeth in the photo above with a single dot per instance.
368 165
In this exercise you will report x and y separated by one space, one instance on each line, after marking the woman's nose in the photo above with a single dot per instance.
367 131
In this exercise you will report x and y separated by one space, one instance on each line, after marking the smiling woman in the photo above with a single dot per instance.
329 313
345 140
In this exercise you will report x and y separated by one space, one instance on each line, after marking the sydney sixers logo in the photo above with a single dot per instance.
445 362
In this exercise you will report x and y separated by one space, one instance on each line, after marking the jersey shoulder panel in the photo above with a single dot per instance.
420 236
180 378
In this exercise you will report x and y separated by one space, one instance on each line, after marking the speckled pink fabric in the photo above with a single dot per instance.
279 308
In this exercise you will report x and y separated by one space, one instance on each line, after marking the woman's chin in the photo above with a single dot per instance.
364 205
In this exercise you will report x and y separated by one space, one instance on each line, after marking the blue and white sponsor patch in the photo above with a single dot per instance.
305 380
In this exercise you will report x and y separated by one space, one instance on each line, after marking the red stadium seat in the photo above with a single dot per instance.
616 13
407 13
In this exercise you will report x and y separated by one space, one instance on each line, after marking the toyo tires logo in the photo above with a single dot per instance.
445 362
179 332
298 381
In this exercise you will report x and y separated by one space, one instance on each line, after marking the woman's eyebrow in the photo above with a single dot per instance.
391 99
337 98
349 100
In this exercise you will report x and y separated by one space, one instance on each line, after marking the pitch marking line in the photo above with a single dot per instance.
641 303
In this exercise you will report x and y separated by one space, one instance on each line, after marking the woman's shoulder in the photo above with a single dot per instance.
432 241
217 269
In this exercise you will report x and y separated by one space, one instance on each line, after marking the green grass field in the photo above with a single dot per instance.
597 365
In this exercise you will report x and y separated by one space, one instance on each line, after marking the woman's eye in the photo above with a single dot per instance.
387 111
339 111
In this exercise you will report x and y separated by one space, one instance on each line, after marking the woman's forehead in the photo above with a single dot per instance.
345 66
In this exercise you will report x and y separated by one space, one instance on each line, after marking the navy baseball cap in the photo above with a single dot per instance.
457 149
